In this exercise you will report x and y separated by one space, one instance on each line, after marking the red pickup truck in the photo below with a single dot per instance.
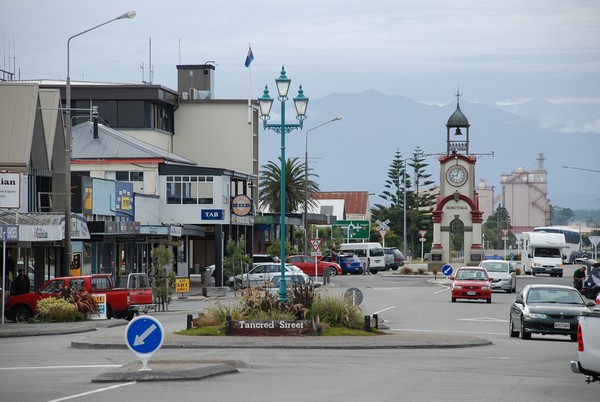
120 302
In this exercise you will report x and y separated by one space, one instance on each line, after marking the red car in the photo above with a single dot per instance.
307 264
471 283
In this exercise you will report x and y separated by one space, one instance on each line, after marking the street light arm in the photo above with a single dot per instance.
306 179
129 14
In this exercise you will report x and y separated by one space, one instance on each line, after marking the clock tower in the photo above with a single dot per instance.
457 220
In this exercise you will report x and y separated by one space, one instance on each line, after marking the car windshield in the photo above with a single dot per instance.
495 266
553 295
471 275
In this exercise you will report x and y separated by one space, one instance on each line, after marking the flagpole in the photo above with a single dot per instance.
249 90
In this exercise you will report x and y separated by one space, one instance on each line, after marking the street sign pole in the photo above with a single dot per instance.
4 237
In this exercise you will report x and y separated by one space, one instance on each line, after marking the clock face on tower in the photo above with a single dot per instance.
457 175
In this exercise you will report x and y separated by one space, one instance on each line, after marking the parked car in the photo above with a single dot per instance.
504 274
120 302
291 281
261 273
260 258
471 283
546 310
427 257
349 263
307 264
393 258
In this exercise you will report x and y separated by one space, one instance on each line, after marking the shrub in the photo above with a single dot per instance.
406 271
336 312
58 310
83 301
422 271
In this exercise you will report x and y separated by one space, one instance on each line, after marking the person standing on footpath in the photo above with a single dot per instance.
578 278
21 283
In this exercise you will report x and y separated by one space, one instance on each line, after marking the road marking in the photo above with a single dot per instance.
445 288
483 319
92 392
385 309
62 367
449 332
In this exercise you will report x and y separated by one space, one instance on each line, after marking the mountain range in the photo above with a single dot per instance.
355 153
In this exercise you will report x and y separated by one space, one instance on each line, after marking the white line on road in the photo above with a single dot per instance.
449 332
385 309
445 288
61 367
92 392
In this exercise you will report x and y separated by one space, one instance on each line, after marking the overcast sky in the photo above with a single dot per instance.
495 51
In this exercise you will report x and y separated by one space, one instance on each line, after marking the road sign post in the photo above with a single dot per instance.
144 335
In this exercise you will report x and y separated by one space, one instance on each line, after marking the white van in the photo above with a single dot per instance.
370 255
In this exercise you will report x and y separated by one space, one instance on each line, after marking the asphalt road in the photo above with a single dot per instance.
511 369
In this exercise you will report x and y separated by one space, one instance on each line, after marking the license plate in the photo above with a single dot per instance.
562 325
471 293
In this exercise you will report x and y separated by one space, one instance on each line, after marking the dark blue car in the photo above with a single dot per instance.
349 262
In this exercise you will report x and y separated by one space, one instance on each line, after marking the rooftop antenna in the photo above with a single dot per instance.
150 72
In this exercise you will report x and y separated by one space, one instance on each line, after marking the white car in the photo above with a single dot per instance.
503 274
291 281
261 273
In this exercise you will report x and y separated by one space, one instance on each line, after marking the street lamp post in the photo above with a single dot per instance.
67 243
265 102
305 221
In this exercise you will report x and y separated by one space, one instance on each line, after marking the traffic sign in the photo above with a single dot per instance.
382 233
347 229
316 243
422 233
144 335
353 296
447 270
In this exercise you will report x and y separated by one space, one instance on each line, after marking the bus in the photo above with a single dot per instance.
572 238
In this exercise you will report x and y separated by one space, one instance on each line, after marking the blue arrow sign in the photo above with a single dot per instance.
144 335
447 270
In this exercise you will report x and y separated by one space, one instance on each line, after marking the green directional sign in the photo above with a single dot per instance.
351 230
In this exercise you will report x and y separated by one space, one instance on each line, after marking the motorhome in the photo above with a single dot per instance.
542 253
371 255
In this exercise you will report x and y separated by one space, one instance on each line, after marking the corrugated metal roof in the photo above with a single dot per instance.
18 108
52 118
356 202
113 144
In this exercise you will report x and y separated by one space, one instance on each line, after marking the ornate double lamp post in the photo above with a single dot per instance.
265 103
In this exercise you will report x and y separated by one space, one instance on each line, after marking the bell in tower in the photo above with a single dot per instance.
457 131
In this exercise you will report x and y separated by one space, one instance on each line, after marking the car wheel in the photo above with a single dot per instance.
524 335
109 312
574 337
489 300
560 275
374 272
533 273
454 300
511 329
22 314
394 268
332 271
508 290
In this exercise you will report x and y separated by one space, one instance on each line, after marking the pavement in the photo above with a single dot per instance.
104 334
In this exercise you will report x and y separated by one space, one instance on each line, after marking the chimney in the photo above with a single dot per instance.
95 122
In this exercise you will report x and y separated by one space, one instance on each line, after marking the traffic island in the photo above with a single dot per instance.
171 370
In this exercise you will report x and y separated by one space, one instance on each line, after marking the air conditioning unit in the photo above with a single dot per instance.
185 95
